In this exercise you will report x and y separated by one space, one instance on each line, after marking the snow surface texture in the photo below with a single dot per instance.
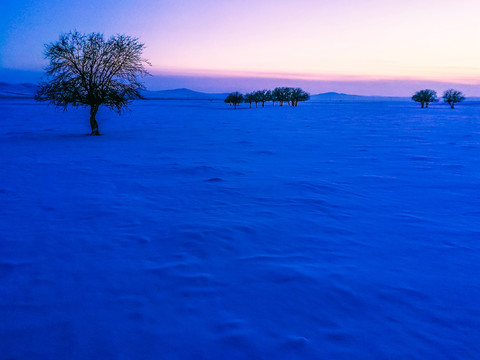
194 231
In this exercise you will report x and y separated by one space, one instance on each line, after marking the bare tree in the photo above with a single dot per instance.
263 96
290 95
87 70
425 97
297 95
268 96
257 95
452 97
281 94
249 98
235 98
273 96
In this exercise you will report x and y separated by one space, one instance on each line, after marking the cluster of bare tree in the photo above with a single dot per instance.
282 95
427 96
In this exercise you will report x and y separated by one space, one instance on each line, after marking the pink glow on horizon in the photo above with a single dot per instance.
440 76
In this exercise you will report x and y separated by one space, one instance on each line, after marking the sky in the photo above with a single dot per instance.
314 42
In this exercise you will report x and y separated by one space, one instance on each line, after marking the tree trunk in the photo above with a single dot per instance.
93 121
426 105
423 105
235 106
452 105
263 103
250 105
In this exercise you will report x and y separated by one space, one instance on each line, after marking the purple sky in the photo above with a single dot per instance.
365 47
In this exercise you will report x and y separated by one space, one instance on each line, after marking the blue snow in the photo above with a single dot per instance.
190 230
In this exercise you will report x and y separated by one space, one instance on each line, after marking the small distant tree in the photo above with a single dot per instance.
425 97
88 70
249 98
282 95
452 97
273 96
297 95
269 96
277 96
264 96
235 98
257 95
288 95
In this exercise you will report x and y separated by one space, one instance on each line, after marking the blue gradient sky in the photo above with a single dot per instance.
346 41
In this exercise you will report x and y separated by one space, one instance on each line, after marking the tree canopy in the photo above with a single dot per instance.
249 98
263 96
235 98
452 97
281 94
425 97
297 95
89 70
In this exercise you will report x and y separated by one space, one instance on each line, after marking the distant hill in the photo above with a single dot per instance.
8 90
17 90
181 94
339 97
334 96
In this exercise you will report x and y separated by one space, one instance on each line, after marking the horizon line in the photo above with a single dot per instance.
220 81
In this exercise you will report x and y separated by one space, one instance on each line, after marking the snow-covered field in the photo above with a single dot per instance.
193 231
